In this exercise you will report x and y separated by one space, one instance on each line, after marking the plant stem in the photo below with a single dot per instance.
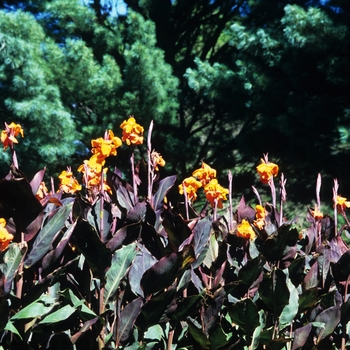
230 224
170 339
150 171
134 185
186 201
101 206
335 192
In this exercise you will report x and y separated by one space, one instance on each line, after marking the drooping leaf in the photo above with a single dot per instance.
274 292
121 261
10 327
61 314
44 239
258 330
162 274
246 315
127 319
331 318
163 188
85 328
142 262
218 338
11 261
38 308
97 255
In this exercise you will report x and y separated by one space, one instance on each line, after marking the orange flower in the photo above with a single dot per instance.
214 191
204 174
8 136
342 203
132 132
191 185
267 170
42 191
105 147
68 183
157 159
5 236
316 213
244 230
260 217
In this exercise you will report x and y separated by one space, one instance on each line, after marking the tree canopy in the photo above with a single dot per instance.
224 81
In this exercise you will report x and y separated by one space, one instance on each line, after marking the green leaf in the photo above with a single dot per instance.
186 306
38 308
251 271
61 314
94 215
201 235
163 188
127 319
274 292
10 327
245 314
212 253
258 330
291 309
308 299
154 333
199 336
46 235
12 259
121 261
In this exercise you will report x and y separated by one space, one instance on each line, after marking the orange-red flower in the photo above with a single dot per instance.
342 203
191 185
267 170
68 183
157 159
260 214
245 230
214 191
5 236
317 213
132 132
8 136
204 174
105 147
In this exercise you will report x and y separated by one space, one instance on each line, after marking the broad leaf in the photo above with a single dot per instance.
199 336
45 237
163 188
121 261
330 317
94 218
127 319
301 335
162 274
245 314
61 314
250 272
291 309
142 262
11 260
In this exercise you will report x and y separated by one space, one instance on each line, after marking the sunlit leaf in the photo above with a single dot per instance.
44 239
11 261
163 188
61 314
291 309
121 261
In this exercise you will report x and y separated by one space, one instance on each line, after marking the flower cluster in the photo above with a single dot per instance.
245 230
342 203
92 169
157 160
260 216
132 132
204 177
5 236
8 136
68 183
267 170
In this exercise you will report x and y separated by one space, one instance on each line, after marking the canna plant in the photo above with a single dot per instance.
100 265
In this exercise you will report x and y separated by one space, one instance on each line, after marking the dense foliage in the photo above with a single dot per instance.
225 80
107 266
